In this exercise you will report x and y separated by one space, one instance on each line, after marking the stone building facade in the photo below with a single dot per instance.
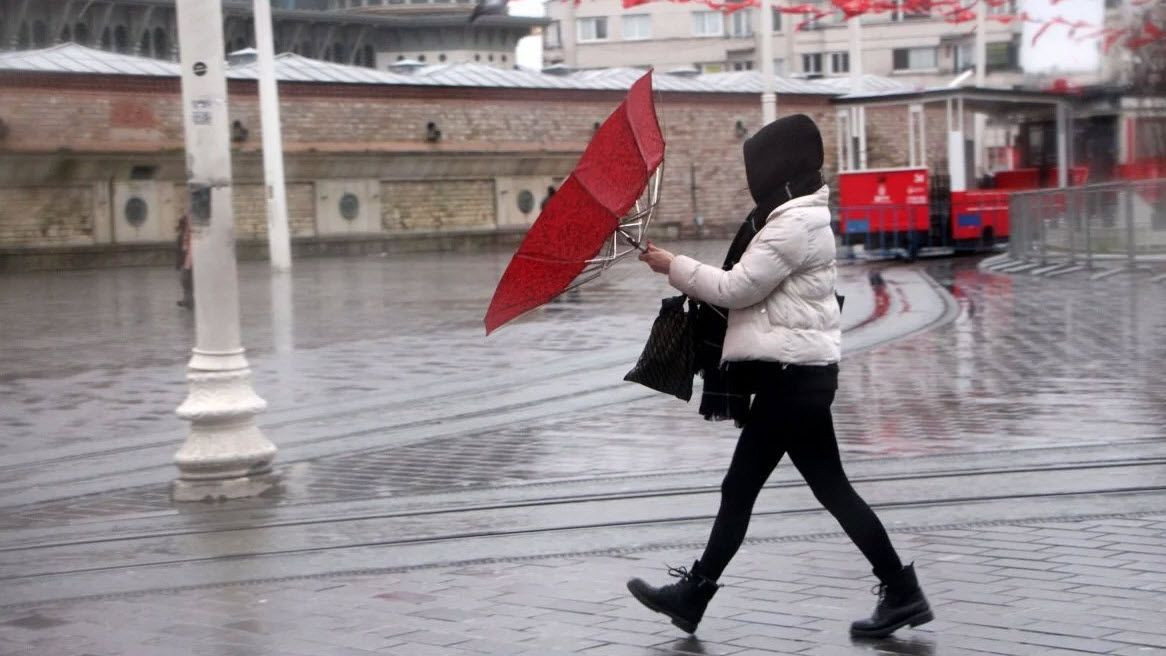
357 33
91 167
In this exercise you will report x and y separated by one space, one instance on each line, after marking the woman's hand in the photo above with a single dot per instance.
659 259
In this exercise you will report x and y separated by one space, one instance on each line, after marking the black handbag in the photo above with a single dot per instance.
668 361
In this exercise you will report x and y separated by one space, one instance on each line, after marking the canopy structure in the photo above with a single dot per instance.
994 102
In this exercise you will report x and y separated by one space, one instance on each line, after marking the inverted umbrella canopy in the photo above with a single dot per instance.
586 210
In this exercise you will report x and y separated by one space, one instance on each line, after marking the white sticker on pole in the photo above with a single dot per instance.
200 111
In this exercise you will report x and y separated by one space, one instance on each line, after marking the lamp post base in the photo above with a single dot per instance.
223 489
225 456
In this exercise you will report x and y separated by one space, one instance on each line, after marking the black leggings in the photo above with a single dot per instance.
798 422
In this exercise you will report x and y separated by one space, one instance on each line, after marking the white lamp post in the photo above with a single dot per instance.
765 51
278 233
225 454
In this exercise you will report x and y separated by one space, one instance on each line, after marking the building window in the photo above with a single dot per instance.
742 65
711 68
812 63
161 44
914 59
776 17
741 23
808 22
910 10
121 39
636 27
839 62
552 37
707 23
592 29
1009 7
779 66
964 57
1002 56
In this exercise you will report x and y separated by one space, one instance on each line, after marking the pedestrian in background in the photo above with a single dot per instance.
550 194
779 347
184 262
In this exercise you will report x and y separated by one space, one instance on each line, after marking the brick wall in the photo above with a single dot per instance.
886 137
438 205
46 216
369 132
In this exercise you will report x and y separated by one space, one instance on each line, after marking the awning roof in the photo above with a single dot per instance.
289 67
975 99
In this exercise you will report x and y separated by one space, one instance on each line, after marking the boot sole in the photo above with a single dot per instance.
677 621
918 619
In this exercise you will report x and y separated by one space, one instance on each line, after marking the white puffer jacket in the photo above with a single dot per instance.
780 295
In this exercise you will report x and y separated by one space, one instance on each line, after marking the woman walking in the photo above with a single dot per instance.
780 344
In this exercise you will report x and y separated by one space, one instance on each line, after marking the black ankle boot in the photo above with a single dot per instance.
901 602
684 601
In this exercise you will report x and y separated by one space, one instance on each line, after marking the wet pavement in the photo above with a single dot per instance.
446 493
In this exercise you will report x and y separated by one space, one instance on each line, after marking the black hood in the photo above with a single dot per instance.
789 152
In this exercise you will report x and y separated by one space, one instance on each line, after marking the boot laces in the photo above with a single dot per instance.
681 572
880 589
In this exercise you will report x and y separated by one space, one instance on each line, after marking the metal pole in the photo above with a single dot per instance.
225 454
1127 203
1091 210
1062 145
278 233
1072 217
911 160
842 120
765 50
923 136
855 65
1044 232
981 43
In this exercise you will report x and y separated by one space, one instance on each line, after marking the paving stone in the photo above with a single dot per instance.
1011 588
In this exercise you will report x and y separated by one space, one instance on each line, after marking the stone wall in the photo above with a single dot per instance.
250 208
73 136
46 216
439 205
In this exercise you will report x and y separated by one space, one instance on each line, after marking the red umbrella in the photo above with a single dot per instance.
589 209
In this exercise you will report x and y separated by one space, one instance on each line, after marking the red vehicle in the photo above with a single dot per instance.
916 206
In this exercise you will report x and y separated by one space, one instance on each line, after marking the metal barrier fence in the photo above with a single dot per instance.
1118 226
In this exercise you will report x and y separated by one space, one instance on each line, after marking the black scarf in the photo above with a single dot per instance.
727 390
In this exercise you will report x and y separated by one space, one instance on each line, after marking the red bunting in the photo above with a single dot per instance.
1045 28
960 14
798 9
1147 35
1111 38
852 8
1077 26
957 12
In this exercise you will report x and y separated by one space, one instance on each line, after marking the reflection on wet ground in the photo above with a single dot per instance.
1028 363
103 352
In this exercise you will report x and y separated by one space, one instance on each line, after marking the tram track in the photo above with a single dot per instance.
417 416
428 534
590 526
568 499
